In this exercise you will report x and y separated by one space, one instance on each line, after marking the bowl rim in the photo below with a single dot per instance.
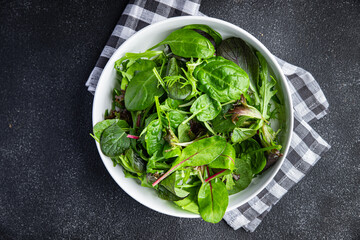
263 49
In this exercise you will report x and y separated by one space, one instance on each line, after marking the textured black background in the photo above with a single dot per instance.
52 181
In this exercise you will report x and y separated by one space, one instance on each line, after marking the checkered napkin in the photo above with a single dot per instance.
308 99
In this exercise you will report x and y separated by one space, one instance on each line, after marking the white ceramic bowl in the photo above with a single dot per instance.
148 37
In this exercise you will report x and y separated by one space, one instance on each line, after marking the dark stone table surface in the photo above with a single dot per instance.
53 183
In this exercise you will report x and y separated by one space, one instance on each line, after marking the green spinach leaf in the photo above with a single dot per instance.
241 178
188 43
204 108
222 79
141 91
238 51
251 154
153 138
173 182
241 134
214 34
114 141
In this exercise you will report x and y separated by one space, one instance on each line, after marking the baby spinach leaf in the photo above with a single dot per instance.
153 137
131 162
226 160
214 34
251 154
238 51
204 108
139 66
113 141
171 151
199 153
165 194
150 118
141 91
242 176
188 43
132 57
213 201
179 90
241 134
222 124
222 79
175 118
190 202
101 126
184 133
172 182
173 68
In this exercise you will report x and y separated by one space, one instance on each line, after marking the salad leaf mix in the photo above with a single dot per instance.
192 121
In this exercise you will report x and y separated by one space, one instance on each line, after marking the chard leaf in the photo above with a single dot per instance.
221 79
199 153
213 200
239 52
226 160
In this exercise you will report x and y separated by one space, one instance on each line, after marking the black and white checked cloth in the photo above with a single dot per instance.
308 99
